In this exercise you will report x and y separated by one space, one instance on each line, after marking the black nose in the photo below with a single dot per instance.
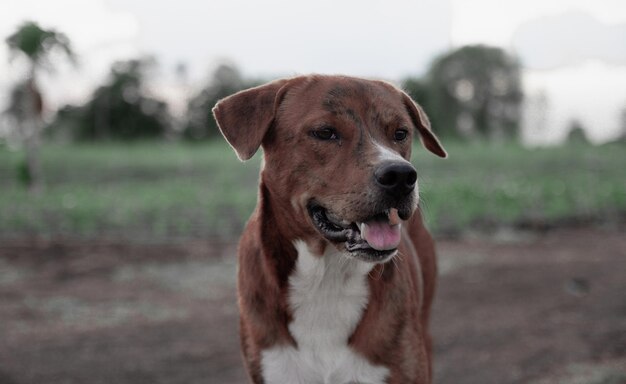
396 178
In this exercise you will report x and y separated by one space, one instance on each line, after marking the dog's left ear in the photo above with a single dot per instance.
245 117
427 137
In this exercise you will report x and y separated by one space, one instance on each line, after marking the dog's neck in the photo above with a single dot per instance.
276 236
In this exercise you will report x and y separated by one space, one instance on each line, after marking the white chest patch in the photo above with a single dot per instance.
328 295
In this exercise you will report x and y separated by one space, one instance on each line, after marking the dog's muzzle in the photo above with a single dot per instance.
375 234
374 239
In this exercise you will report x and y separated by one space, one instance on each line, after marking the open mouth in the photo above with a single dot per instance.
373 239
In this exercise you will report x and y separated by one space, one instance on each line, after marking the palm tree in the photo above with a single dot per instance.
36 45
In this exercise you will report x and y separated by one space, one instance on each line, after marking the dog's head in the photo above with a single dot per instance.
337 149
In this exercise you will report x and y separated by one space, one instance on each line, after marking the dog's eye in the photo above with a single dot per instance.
325 133
400 135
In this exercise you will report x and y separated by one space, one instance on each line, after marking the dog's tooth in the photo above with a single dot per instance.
394 218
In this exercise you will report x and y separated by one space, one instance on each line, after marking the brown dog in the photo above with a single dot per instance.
336 270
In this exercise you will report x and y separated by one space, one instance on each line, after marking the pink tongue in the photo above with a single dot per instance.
380 235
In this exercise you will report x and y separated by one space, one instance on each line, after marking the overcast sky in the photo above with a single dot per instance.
375 38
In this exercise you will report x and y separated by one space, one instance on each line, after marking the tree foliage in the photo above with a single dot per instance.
577 134
23 98
37 44
26 105
225 80
473 91
121 109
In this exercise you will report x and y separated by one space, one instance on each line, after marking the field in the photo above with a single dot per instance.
123 271
545 309
149 191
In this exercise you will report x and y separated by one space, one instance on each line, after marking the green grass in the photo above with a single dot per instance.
164 190
146 190
489 184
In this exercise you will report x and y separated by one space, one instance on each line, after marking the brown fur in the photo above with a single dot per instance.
393 331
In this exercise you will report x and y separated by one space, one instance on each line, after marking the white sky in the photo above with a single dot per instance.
384 38
375 38
495 22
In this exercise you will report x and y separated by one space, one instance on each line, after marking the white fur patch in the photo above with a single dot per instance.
328 295
386 154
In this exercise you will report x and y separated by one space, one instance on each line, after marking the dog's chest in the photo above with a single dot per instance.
328 295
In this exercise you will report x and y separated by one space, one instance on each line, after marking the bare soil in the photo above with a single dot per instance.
531 308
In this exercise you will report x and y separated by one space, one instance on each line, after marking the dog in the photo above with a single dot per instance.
336 269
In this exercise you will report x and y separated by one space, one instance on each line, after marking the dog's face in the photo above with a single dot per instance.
337 149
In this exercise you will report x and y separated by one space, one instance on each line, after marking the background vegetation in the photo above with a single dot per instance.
160 190
121 165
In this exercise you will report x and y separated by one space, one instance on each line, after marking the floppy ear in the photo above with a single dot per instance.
427 137
244 118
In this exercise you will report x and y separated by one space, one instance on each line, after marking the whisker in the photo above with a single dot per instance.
400 258
395 263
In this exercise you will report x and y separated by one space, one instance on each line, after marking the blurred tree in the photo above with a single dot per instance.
67 123
577 134
119 109
182 72
182 87
475 91
225 80
20 98
622 136
26 103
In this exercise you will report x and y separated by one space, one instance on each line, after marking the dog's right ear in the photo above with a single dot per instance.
244 118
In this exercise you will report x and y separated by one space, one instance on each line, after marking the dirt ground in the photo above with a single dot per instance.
512 308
